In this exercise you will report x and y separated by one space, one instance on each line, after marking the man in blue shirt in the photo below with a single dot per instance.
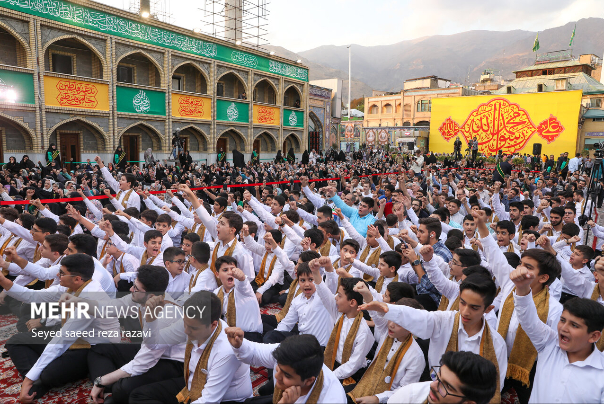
360 218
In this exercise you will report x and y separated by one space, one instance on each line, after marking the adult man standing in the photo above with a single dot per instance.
502 169
474 148
418 162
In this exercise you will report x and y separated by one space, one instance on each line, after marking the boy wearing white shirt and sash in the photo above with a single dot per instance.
300 374
126 195
461 377
465 330
569 366
202 277
212 373
239 304
351 339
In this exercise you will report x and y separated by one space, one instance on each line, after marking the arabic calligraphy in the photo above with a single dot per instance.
550 129
244 59
266 115
500 125
76 94
141 102
190 106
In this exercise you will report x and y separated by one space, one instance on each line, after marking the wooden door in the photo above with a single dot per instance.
131 148
221 144
257 145
70 148
284 149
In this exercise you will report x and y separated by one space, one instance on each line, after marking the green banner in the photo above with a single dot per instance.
138 101
232 111
294 119
20 87
85 17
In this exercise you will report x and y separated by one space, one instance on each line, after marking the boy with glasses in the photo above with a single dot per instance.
174 261
462 377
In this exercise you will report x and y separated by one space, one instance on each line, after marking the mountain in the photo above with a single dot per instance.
320 72
455 57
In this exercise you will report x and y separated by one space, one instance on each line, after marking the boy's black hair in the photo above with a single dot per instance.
399 290
476 269
369 201
478 376
223 202
149 215
571 229
517 205
57 242
432 225
152 234
79 264
513 258
488 211
234 220
325 210
280 200
154 278
589 310
201 251
277 236
64 229
392 259
192 237
252 227
68 220
307 256
529 221
351 243
203 299
468 217
330 227
132 211
46 224
548 264
558 210
443 213
120 227
302 353
467 257
84 244
348 287
172 252
456 233
482 285
27 220
391 219
587 251
507 225
316 236
453 243
292 215
225 259
303 269
164 218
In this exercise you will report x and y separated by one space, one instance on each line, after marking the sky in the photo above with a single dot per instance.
307 24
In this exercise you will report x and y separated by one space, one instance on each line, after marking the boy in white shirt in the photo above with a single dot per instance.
300 375
569 366
461 376
239 304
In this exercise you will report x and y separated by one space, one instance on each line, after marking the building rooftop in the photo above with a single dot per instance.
552 65
427 77
577 81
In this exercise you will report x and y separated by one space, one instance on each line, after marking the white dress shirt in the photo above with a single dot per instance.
138 253
437 327
411 393
259 251
240 254
228 379
258 355
311 317
557 380
246 305
179 284
362 343
59 344
134 200
411 367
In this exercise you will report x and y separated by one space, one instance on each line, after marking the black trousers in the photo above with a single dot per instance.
474 154
25 349
271 295
275 337
163 392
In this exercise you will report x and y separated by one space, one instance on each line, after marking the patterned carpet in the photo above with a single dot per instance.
76 393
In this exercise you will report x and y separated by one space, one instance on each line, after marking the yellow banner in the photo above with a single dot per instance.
189 106
266 115
59 92
511 123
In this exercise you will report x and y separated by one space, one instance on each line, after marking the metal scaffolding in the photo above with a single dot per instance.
160 10
243 22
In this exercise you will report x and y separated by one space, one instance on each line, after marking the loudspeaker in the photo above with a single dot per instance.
536 148
410 145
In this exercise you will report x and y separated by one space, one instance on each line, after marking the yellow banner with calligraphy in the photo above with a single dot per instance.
510 123
266 115
190 106
60 92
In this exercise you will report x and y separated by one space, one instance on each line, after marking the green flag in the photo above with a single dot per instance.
572 37
536 44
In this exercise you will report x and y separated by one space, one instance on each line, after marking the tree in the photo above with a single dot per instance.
358 104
